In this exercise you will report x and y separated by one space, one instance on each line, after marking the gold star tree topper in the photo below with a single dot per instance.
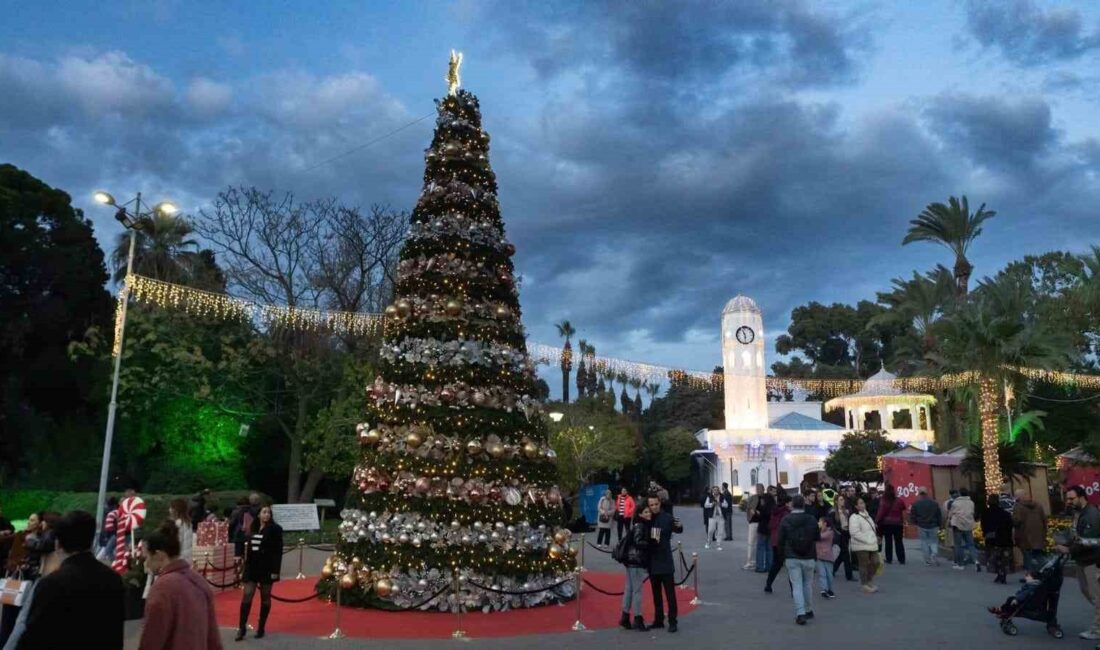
453 80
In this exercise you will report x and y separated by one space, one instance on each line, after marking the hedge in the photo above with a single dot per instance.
19 504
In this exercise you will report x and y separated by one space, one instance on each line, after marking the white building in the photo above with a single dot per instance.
785 442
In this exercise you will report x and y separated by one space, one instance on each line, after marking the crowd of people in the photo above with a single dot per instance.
70 597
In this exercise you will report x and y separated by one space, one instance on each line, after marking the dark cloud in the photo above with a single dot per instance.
700 41
994 133
1027 34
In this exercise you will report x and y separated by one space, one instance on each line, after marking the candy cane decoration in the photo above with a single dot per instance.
131 515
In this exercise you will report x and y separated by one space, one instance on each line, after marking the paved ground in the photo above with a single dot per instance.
918 606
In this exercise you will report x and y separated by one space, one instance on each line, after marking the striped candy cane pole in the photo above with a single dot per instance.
131 515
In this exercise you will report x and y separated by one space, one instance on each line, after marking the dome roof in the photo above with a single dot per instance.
741 304
880 383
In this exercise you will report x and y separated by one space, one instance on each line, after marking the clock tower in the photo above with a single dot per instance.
746 398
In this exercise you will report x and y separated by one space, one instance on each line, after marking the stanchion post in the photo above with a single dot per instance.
459 634
577 625
695 578
301 552
581 568
337 633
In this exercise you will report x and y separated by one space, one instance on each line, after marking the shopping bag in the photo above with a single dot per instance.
13 591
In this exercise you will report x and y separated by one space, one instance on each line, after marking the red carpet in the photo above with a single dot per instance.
317 618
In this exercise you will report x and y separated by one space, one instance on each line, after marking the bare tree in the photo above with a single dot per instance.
310 255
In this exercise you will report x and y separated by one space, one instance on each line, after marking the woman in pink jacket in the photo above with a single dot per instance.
179 613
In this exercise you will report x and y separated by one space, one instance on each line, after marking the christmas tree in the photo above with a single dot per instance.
456 482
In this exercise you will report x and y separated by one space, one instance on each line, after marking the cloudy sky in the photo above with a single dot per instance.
654 158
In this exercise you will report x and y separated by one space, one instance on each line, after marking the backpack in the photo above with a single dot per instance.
622 549
801 538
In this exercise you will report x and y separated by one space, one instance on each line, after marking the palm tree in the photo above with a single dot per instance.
652 388
590 380
624 399
636 384
953 226
163 250
991 333
582 368
566 331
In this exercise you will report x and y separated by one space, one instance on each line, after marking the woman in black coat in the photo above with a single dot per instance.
263 562
997 529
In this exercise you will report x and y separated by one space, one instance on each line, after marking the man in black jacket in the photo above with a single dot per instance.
798 533
662 566
726 504
81 604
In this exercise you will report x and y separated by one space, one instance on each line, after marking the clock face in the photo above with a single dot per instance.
745 334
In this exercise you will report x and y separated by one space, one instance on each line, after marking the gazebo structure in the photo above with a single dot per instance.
881 406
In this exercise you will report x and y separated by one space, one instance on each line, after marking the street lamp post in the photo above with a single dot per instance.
131 221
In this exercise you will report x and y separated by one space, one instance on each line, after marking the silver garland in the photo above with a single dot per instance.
457 353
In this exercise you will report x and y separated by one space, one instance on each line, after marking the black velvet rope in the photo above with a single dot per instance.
609 593
225 586
325 549
686 575
427 600
683 562
597 548
518 593
295 600
210 565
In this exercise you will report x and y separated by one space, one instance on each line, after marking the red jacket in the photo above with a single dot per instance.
892 514
778 513
179 613
624 505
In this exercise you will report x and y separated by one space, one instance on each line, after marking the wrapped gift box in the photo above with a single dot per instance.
212 533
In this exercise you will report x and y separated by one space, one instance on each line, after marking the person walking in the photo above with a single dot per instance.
891 524
240 522
179 613
928 518
997 530
662 567
1085 552
764 507
752 505
798 534
81 604
780 512
198 509
825 557
636 561
178 513
725 504
263 561
841 513
710 516
624 513
1030 523
961 520
605 512
864 544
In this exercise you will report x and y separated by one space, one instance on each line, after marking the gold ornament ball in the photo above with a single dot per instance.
372 437
347 581
502 311
530 449
326 571
453 308
473 447
404 308
413 440
383 587
555 551
573 551
560 537
495 449
391 311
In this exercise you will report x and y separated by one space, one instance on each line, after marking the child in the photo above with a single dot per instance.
825 558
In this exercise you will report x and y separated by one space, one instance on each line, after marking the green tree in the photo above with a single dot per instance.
582 368
1012 461
839 340
669 453
953 226
165 249
995 330
858 455
591 439
566 331
52 293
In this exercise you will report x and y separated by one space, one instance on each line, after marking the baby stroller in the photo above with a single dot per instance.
1037 600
